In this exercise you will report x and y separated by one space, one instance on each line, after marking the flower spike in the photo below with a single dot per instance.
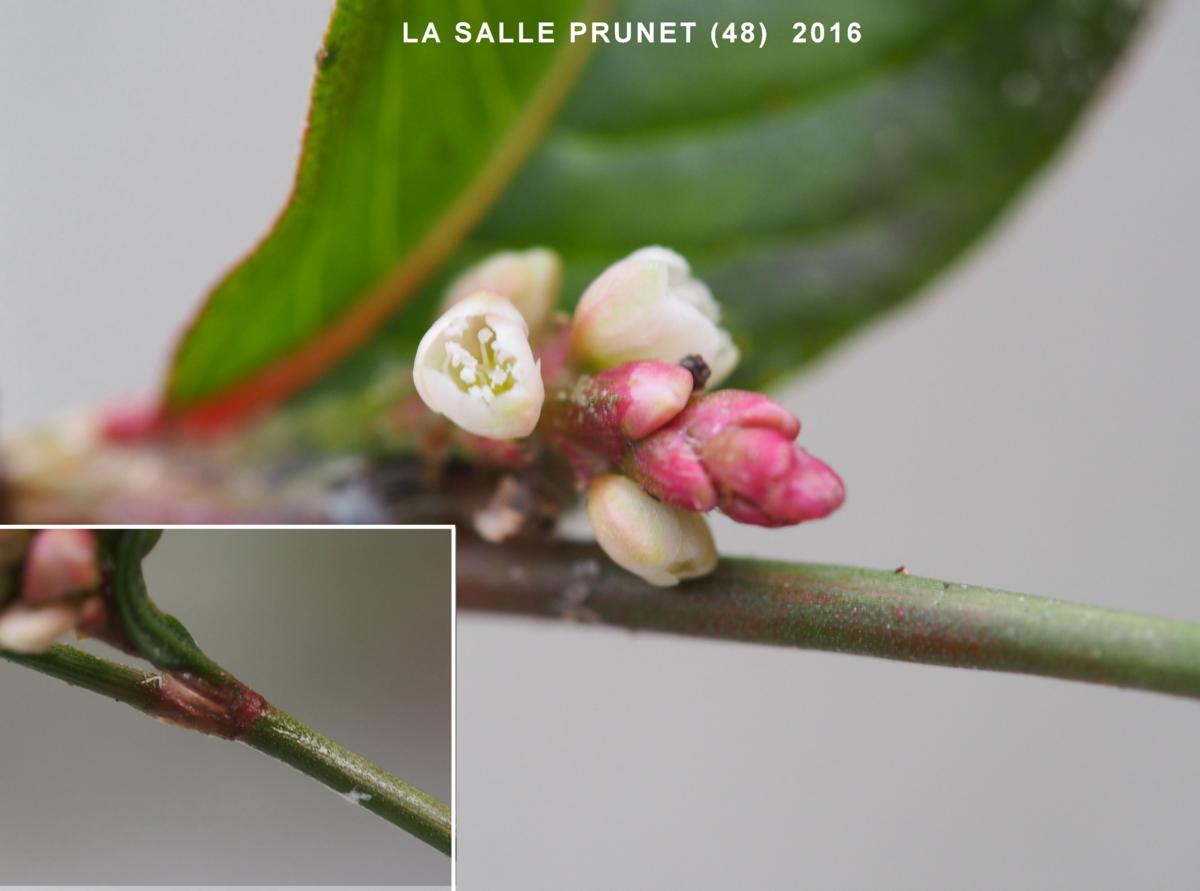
630 419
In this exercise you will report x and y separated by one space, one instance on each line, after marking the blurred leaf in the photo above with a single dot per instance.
407 146
814 186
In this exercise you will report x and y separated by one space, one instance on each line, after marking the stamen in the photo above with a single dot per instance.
482 376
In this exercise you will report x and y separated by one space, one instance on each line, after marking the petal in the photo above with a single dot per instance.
618 315
652 540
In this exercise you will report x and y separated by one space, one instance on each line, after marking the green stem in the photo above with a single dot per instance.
283 737
842 609
123 683
277 734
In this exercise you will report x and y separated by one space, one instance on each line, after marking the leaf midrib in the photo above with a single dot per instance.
286 374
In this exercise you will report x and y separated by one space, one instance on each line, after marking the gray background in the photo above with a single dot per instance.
348 630
1031 425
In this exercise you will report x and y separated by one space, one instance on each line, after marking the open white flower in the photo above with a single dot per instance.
530 279
660 543
475 366
649 306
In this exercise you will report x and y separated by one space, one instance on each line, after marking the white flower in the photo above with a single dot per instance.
530 279
660 543
648 306
475 366
33 629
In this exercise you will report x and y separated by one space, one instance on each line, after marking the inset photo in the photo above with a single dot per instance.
302 685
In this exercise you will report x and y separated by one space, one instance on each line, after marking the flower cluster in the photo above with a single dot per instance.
49 585
630 407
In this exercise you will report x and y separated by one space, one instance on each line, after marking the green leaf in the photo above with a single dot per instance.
160 639
407 145
814 186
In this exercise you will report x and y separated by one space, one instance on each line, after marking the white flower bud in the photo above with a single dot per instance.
529 279
648 306
660 543
475 367
33 629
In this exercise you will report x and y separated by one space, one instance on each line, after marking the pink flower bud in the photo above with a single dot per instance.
718 411
625 403
595 421
734 450
60 562
669 468
766 480
644 396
